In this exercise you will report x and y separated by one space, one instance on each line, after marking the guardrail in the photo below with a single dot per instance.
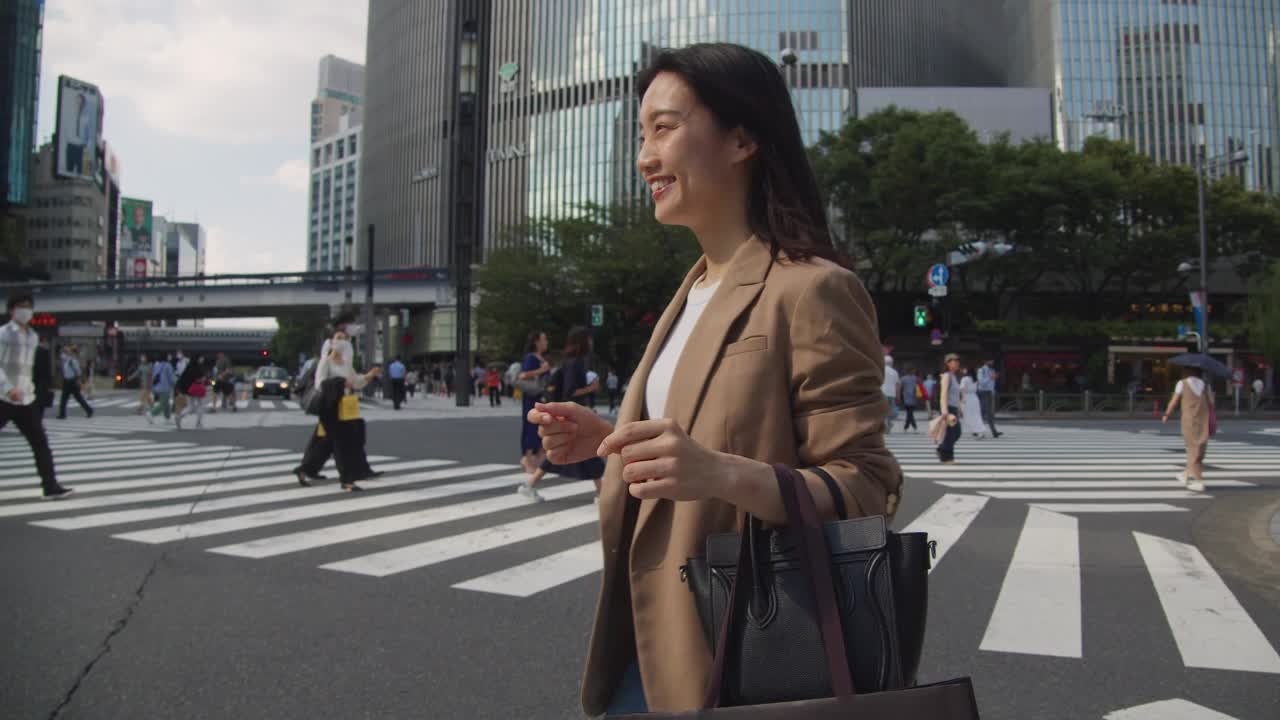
1122 404
331 277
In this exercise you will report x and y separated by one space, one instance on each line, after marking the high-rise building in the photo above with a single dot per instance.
65 224
183 249
1173 77
561 111
339 95
333 215
20 30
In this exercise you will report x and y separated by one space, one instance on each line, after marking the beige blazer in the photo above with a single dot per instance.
784 366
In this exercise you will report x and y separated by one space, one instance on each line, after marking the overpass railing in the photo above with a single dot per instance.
322 278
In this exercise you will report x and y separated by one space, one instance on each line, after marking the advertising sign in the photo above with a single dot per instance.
78 128
139 267
136 226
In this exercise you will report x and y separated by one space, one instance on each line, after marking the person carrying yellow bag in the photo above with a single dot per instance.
340 413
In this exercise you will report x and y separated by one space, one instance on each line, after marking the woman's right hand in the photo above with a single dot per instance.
570 432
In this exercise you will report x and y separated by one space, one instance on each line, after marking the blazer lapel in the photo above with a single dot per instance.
743 281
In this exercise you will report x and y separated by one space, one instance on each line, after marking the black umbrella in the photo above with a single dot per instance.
1202 361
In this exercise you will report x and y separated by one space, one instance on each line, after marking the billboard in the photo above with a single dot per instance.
78 129
135 230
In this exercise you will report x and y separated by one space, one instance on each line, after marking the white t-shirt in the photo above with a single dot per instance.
890 387
664 368
1195 383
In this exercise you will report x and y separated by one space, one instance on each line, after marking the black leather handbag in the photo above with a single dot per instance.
881 587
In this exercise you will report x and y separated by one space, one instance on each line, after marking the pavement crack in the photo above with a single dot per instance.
105 648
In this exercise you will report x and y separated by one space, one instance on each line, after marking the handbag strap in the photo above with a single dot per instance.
837 497
802 518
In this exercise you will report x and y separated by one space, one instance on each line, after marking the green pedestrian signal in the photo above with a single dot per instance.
597 316
921 316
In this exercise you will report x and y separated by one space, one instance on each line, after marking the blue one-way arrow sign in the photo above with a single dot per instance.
939 274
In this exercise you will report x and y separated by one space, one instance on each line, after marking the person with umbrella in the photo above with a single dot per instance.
1195 397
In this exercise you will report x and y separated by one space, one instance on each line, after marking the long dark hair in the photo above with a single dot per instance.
531 345
578 344
744 88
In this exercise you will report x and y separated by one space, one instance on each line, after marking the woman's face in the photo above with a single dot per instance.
953 366
688 162
541 344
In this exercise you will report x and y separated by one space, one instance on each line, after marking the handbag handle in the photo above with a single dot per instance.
815 563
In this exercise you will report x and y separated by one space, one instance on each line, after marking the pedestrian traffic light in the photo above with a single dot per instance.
921 317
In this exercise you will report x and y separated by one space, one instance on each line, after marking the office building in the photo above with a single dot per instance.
1023 113
1173 77
561 111
183 247
65 224
21 22
333 216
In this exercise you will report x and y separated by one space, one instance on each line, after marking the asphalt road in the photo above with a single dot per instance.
1170 606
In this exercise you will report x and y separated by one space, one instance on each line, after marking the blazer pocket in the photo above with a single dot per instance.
754 343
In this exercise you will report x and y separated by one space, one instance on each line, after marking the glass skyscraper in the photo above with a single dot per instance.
20 30
1166 75
562 127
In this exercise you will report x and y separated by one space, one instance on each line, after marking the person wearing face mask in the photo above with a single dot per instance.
320 445
19 401
335 379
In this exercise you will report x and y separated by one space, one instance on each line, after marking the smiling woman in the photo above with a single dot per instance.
768 354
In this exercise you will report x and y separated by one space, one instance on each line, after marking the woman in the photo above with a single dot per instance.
950 407
786 368
143 374
972 422
534 366
1195 397
570 383
348 436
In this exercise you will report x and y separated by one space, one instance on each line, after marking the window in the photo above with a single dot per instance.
328 153
341 148
315 157
351 144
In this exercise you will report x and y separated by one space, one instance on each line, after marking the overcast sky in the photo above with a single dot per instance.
207 106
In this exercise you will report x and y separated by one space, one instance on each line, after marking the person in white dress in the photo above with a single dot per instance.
971 421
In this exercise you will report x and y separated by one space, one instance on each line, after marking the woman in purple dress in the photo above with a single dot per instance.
534 365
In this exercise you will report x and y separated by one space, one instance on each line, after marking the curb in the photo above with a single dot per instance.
1238 534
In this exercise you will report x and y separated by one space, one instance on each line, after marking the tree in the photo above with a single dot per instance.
549 273
1263 313
298 333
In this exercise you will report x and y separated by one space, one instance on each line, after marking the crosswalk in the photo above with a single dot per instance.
242 504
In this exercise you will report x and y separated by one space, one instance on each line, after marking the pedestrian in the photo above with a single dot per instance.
971 419
411 381
163 378
20 401
611 383
1195 398
786 368
195 370
950 407
533 366
930 388
493 382
196 396
224 383
396 371
987 377
478 377
143 375
892 389
910 384
71 382
1258 387
319 446
336 378
568 384
593 382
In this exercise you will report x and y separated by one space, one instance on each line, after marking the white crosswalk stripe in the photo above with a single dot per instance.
433 512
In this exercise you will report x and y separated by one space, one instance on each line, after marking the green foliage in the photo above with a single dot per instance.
1263 313
297 333
1064 328
1103 226
549 272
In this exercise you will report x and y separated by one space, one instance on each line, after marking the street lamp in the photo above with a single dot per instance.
1201 163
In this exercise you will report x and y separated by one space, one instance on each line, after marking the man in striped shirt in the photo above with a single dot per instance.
18 401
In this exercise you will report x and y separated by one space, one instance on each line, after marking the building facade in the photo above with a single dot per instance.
21 22
1024 113
65 224
184 248
562 109
333 202
339 97
1173 77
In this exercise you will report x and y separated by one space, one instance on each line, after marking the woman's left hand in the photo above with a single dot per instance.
661 461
